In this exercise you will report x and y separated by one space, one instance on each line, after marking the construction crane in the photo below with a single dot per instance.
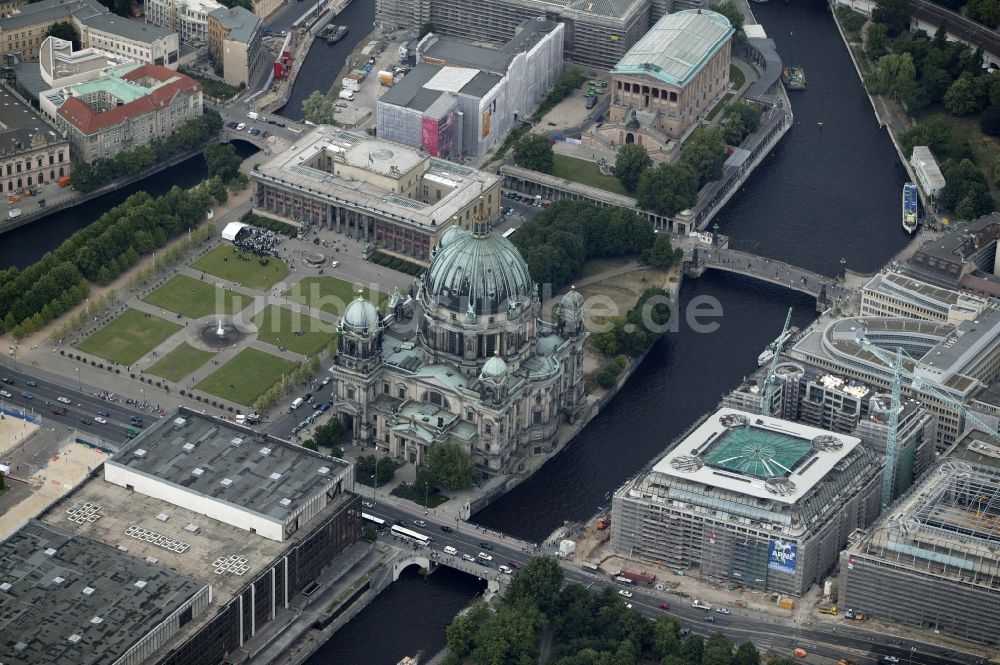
918 385
779 344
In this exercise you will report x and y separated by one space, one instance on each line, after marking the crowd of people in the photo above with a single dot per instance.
259 241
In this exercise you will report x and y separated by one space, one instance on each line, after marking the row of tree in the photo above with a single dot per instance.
558 240
587 629
298 377
99 252
193 134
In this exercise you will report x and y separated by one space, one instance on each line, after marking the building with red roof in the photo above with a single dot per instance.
127 107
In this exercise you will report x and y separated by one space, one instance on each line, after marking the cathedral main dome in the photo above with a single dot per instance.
478 270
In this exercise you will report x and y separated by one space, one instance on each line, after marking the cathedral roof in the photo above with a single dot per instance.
495 367
477 271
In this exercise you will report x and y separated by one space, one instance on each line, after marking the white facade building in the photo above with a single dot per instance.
189 18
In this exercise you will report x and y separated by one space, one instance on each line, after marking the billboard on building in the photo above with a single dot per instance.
429 135
487 116
781 555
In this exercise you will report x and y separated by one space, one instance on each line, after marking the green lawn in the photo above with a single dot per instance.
245 378
129 337
224 262
180 362
585 173
723 103
278 326
737 77
194 298
327 294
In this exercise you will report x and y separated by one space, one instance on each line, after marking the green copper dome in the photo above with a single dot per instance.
479 271
360 314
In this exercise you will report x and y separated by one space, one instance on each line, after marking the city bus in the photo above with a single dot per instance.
411 536
376 522
590 568
508 233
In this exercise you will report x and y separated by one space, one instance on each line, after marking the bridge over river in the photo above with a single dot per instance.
826 290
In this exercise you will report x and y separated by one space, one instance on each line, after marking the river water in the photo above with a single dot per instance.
826 193
324 62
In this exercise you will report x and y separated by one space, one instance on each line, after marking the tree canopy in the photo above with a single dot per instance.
741 120
631 161
668 189
559 239
966 192
366 465
893 14
705 152
533 151
450 466
318 109
64 30
222 161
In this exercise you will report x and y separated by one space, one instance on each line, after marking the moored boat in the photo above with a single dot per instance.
794 78
910 210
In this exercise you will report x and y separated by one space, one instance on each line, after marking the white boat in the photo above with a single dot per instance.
768 353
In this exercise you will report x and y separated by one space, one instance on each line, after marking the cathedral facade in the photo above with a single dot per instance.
464 358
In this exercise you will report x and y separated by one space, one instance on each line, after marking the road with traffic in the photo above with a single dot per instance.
81 410
848 639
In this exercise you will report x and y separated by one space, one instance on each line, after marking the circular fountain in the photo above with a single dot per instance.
220 333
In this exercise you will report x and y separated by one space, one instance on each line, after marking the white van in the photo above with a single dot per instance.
253 115
296 404
347 94
450 550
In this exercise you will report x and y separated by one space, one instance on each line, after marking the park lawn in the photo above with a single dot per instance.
224 262
180 362
723 103
585 173
245 378
278 326
194 298
737 77
328 294
129 337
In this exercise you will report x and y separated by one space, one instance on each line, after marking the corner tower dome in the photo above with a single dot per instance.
494 368
478 271
360 314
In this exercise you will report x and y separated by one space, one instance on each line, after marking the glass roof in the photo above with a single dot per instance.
757 452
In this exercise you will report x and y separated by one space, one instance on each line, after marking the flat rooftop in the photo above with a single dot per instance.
184 542
746 453
229 463
15 114
978 448
288 169
68 600
427 83
898 284
127 28
48 10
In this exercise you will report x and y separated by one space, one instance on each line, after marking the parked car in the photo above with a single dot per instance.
485 557
506 570
625 592
469 558
255 132
240 127
722 610
4 393
419 523
446 528
890 659
514 564
8 381
450 550
368 504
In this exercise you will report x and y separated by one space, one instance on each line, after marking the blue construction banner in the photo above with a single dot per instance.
781 555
